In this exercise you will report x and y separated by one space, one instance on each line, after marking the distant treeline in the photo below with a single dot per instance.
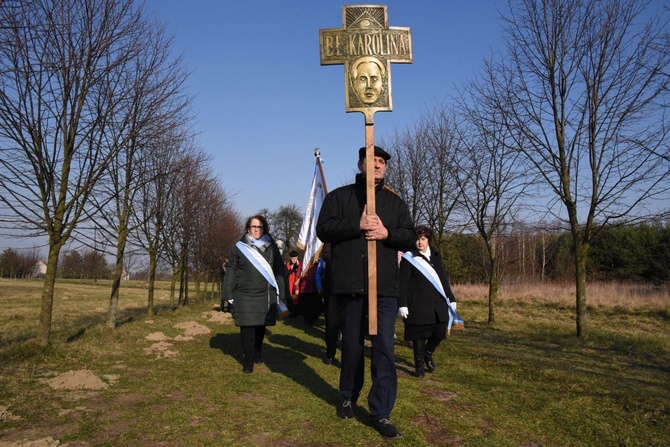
638 253
88 264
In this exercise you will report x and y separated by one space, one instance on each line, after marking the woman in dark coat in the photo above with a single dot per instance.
256 282
423 308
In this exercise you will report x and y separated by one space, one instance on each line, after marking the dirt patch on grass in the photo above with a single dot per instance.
160 349
218 317
435 433
156 336
77 380
163 348
44 442
191 328
6 415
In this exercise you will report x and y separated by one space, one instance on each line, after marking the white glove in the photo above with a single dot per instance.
403 312
453 304
230 301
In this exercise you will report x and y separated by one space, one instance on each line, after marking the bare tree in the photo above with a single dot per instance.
423 174
406 174
56 105
491 179
583 88
217 228
184 210
286 223
155 105
18 264
440 141
267 213
161 174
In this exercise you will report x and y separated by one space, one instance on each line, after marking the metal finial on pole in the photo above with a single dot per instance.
316 152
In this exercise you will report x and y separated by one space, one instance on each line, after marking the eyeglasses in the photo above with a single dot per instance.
258 227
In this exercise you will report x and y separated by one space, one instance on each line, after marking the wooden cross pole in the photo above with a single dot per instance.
366 45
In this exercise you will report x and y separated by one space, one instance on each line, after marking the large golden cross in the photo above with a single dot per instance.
366 45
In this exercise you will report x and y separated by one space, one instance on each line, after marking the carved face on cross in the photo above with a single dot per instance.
367 46
368 77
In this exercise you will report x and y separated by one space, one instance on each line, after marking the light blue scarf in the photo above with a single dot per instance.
262 243
262 266
423 266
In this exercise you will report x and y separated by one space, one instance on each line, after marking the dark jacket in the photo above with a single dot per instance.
417 293
339 225
255 300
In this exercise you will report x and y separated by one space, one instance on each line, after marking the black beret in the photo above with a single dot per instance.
379 152
293 254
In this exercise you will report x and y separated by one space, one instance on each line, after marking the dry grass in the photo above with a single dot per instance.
77 305
598 294
525 380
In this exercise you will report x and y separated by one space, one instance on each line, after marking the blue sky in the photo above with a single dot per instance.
264 102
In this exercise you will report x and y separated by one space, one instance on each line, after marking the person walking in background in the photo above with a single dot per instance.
255 283
309 297
344 223
293 270
330 314
424 290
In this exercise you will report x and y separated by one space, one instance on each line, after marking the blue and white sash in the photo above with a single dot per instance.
264 268
429 272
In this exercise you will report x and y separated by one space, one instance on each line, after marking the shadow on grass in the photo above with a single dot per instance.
228 344
292 364
287 359
294 367
123 317
563 364
75 329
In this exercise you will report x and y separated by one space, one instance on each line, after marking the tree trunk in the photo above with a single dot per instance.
173 287
116 279
152 281
180 272
581 249
186 280
494 286
209 295
199 296
46 311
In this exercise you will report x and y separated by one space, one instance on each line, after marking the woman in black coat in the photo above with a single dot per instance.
423 308
256 282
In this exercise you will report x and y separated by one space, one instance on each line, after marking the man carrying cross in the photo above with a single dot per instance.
366 223
345 224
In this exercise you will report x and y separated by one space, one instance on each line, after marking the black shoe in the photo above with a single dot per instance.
386 429
328 360
419 364
430 364
248 367
345 410
258 358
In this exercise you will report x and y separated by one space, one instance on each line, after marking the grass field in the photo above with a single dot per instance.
174 378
